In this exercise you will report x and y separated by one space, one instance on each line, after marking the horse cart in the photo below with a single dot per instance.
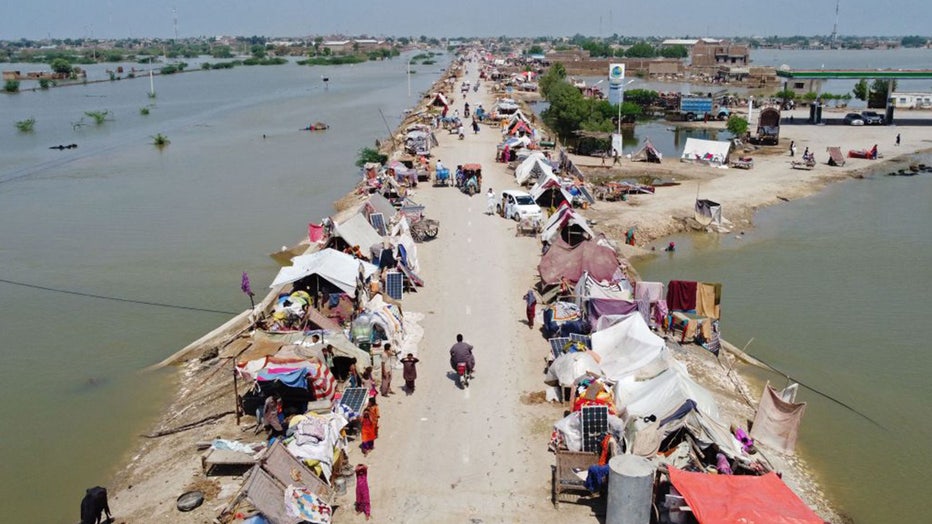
425 229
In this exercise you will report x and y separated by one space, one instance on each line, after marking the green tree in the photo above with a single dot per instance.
786 94
675 51
861 90
642 97
11 86
641 50
368 154
913 41
535 50
737 125
258 51
554 75
878 94
61 65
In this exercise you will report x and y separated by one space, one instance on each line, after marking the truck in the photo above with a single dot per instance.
696 108
768 127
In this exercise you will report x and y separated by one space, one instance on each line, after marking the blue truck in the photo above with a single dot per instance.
696 108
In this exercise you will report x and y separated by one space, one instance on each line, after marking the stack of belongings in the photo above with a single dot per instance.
695 309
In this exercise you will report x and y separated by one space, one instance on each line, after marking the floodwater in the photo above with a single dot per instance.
832 290
117 217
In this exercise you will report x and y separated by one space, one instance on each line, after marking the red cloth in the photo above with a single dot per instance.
681 295
741 498
315 232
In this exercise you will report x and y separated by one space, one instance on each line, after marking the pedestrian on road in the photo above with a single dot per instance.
897 140
410 371
530 300
792 148
475 126
388 358
490 202
363 503
370 426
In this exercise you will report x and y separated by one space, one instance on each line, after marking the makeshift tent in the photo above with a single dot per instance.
708 212
563 261
647 153
515 142
380 204
519 127
662 394
439 100
549 192
335 267
518 116
572 226
710 152
535 165
589 288
777 421
835 157
357 231
627 347
741 498
570 366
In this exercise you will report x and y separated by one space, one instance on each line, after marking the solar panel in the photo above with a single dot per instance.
594 427
354 399
584 339
557 344
585 192
378 222
394 283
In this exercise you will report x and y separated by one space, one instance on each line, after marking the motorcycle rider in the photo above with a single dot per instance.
462 352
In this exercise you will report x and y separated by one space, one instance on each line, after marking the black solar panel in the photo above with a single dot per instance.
354 399
378 222
557 345
584 339
594 427
394 284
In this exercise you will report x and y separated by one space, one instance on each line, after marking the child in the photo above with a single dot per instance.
370 426
410 372
362 491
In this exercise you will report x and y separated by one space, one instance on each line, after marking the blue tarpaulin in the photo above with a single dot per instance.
295 378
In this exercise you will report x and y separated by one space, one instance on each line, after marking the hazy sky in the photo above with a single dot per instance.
37 19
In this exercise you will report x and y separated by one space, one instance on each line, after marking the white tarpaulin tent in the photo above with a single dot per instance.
337 268
546 189
708 212
627 347
710 152
570 366
357 231
662 394
565 216
535 164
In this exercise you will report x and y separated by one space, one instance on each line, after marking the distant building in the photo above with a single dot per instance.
707 54
911 100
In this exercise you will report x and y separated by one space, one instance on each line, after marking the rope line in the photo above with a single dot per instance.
116 299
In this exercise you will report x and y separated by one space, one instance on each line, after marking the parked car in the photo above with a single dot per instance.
871 118
854 119
517 205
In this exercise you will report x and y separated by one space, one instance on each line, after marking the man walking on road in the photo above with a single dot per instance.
490 202
530 299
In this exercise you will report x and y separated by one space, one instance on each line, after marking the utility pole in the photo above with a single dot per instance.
835 27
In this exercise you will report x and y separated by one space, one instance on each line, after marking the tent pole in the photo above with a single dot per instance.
236 394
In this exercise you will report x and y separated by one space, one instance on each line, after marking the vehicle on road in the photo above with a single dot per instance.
517 205
854 119
871 118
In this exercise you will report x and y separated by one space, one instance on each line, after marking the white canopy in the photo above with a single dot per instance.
570 366
708 151
357 231
627 347
535 163
563 217
663 393
337 268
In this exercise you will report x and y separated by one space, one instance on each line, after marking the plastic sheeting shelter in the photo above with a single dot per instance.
535 165
777 421
337 268
706 151
357 231
570 366
571 262
663 393
647 153
549 192
627 347
567 219
741 498
708 212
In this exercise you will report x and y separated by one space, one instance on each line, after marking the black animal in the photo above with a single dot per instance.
94 505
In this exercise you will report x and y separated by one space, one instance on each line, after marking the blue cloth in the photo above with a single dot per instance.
296 378
597 478
334 300
403 255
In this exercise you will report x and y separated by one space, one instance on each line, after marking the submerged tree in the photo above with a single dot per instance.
99 116
160 140
26 126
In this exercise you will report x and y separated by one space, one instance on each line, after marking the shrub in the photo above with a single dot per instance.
11 86
26 126
368 154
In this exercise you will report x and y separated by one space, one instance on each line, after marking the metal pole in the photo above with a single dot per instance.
409 76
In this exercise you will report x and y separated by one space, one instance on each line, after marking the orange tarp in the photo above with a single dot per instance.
741 498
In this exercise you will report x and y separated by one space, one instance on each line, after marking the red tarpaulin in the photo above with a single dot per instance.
746 499
570 262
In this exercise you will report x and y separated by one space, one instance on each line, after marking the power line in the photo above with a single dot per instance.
116 299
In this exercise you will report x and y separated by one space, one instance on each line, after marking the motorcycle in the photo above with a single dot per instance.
462 374
462 136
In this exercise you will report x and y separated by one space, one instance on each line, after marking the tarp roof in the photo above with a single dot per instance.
741 498
439 100
627 347
381 205
535 163
706 150
549 191
647 153
337 268
663 393
565 216
570 262
356 231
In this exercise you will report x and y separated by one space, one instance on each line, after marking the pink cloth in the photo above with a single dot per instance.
315 233
649 291
362 491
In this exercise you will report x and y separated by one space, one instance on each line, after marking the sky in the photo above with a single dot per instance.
37 19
